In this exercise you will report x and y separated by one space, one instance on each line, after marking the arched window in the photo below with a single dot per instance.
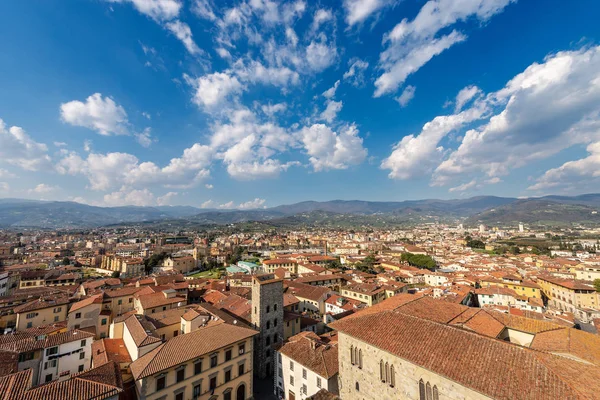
268 309
274 307
422 390
436 395
387 373
393 378
356 361
360 359
357 387
352 355
428 391
275 322
268 324
267 341
382 371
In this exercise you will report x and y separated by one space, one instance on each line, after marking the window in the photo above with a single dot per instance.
274 307
352 355
175 332
31 315
280 373
213 382
180 374
26 356
51 351
392 381
429 391
267 341
119 302
227 395
160 383
436 395
275 322
241 348
360 359
196 392
57 309
268 309
131 299
56 318
83 343
318 382
228 355
48 377
241 369
291 380
30 325
227 375
303 373
304 389
179 396
422 390
77 315
213 361
82 355
357 387
291 365
80 369
268 324
103 321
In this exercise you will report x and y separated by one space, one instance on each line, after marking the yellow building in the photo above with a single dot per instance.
519 285
42 311
216 364
569 295
367 293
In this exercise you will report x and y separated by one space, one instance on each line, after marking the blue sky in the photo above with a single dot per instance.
254 103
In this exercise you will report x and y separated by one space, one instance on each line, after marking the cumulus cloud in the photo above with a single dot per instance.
330 150
156 9
549 107
411 44
144 138
320 55
272 109
214 89
130 197
321 16
43 188
465 96
231 205
98 113
18 148
407 95
331 110
358 11
166 199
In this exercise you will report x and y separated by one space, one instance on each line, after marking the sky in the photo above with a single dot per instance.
254 103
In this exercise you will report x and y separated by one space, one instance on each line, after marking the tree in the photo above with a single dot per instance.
154 261
476 244
66 261
419 260
334 264
597 285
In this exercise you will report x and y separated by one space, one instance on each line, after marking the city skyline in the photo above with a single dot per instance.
258 103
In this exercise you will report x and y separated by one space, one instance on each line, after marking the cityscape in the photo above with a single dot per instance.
299 200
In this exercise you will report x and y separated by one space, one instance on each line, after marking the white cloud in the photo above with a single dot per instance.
208 186
87 146
358 11
214 89
331 110
204 9
253 204
182 31
208 204
272 109
411 44
166 199
330 93
356 72
464 186
59 144
465 96
321 16
43 188
407 95
4 187
417 155
18 148
223 53
97 113
130 197
144 138
399 67
330 150
548 107
6 174
256 72
320 55
156 9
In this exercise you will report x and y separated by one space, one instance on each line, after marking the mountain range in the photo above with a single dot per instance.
489 210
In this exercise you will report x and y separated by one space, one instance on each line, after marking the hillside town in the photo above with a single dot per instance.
431 312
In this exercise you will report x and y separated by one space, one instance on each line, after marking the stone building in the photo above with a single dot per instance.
267 317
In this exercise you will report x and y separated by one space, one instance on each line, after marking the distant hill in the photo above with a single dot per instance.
489 210
538 212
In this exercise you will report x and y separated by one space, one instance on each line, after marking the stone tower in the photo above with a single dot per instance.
267 317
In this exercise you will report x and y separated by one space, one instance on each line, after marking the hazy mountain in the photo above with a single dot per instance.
538 212
490 210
